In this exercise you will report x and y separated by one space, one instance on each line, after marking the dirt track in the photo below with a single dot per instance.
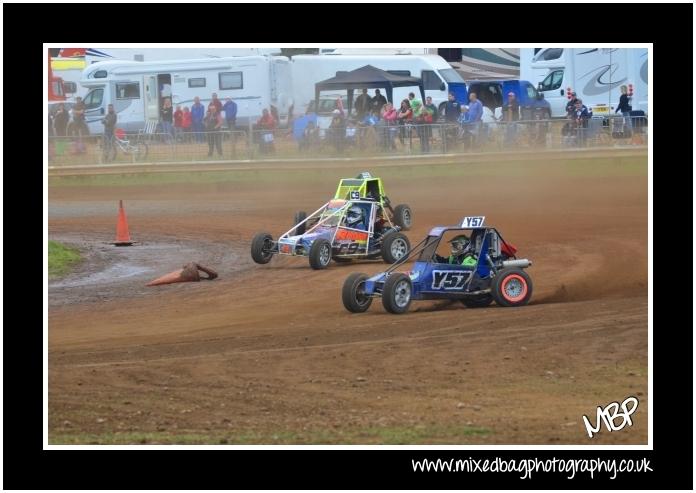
268 354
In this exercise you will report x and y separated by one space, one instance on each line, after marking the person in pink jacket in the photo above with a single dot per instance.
389 117
389 114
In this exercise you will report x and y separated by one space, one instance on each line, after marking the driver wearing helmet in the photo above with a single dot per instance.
355 218
461 253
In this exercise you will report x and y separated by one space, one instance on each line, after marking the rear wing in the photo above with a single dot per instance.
358 188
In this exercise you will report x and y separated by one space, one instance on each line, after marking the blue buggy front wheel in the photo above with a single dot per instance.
396 294
355 299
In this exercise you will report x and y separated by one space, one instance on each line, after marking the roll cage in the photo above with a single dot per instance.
487 237
332 216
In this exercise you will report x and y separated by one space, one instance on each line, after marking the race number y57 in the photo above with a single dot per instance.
473 221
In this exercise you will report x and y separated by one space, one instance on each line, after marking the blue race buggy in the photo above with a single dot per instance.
488 272
341 230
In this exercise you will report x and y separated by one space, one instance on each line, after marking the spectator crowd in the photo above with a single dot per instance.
374 121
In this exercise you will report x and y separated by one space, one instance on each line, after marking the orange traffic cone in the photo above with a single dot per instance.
189 273
122 235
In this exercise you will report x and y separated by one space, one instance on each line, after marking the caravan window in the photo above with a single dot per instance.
197 82
94 99
231 80
552 81
99 74
404 73
128 90
550 54
431 81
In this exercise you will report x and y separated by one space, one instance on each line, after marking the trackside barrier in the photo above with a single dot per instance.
352 140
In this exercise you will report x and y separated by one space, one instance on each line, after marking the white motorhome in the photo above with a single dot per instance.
137 89
93 55
381 51
438 76
533 75
595 75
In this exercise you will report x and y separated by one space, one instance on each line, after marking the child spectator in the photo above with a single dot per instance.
186 123
178 120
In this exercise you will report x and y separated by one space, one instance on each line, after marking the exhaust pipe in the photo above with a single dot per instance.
522 263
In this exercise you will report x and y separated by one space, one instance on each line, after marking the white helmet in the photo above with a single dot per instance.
354 215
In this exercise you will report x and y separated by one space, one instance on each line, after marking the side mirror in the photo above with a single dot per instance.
443 86
540 87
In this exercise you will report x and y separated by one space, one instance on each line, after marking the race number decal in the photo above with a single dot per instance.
354 195
347 248
450 279
473 221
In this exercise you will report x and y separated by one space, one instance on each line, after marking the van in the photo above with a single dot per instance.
493 94
439 78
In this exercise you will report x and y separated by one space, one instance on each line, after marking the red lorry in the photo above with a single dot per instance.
56 91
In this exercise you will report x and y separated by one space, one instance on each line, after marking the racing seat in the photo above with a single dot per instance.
372 189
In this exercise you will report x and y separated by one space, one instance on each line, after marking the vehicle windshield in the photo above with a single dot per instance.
332 216
450 75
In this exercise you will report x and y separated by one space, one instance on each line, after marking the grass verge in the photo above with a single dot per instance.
60 259
378 435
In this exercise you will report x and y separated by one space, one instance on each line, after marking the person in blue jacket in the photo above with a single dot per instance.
197 115
581 116
230 109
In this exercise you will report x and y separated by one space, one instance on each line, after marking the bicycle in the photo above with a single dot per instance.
137 149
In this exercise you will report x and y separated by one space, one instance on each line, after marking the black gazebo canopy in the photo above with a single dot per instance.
367 77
